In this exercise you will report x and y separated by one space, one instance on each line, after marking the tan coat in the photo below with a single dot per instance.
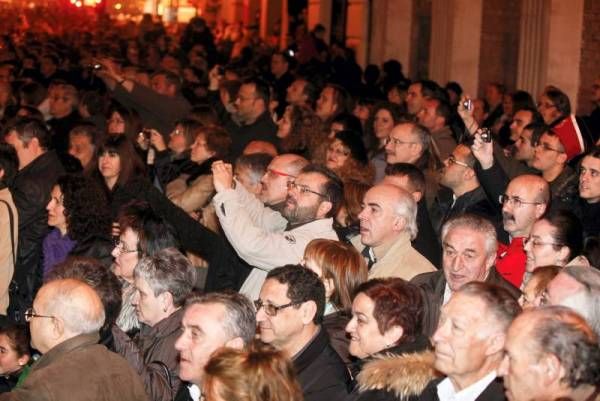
79 369
7 265
398 259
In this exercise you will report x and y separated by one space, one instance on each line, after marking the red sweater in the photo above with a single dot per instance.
510 261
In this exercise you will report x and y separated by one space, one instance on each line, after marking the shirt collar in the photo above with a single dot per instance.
447 392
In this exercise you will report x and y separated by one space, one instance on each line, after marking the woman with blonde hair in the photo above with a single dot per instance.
342 269
260 373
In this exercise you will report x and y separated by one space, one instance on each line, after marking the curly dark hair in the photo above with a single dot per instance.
86 206
305 130
303 285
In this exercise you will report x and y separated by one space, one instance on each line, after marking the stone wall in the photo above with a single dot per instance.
499 43
589 68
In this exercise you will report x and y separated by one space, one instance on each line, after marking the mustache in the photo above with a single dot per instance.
508 216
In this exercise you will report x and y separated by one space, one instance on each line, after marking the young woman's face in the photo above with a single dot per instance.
116 124
383 123
56 210
337 154
284 126
177 141
10 361
109 164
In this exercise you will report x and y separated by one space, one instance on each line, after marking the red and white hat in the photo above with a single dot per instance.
569 135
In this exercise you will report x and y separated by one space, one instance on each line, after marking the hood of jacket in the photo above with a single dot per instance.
405 375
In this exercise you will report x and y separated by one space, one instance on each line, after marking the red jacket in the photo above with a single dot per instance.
510 261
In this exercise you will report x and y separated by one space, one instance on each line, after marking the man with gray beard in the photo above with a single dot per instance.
267 239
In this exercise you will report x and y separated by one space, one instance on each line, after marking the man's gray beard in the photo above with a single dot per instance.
300 214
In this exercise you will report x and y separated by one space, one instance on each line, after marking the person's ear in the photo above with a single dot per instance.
308 311
323 209
540 210
393 335
495 343
417 196
23 360
399 223
561 158
552 369
1 173
166 300
235 343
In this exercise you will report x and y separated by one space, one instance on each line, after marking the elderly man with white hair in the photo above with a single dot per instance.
577 287
388 224
64 321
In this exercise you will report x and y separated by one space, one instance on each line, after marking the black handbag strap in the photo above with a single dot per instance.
11 218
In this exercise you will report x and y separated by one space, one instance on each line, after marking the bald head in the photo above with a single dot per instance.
74 307
281 170
387 212
526 199
260 147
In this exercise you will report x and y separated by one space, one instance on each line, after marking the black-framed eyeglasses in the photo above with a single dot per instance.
30 314
122 248
516 201
270 309
303 189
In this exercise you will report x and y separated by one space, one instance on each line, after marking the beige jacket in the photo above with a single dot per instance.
7 266
398 259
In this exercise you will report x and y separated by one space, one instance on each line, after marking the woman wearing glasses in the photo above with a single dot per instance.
385 336
347 157
78 213
556 239
342 269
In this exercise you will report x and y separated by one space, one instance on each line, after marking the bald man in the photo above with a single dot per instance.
64 321
388 224
523 203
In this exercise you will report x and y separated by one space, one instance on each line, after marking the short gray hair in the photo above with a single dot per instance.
563 333
406 208
76 303
170 271
239 319
477 224
586 302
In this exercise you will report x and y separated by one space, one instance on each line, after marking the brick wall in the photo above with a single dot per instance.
589 68
499 43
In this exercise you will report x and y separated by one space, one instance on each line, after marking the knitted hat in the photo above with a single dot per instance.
569 134
353 141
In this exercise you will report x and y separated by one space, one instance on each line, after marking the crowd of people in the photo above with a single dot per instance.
188 216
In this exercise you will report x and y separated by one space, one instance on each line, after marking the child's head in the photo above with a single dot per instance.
14 348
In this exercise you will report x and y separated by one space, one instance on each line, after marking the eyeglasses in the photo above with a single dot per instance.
536 242
270 309
338 151
545 105
122 248
452 160
547 148
30 314
516 201
303 189
272 172
396 141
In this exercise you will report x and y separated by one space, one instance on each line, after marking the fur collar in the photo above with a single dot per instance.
405 375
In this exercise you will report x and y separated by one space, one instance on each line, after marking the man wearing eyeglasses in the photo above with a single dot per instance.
289 312
280 171
523 203
64 322
265 238
461 191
